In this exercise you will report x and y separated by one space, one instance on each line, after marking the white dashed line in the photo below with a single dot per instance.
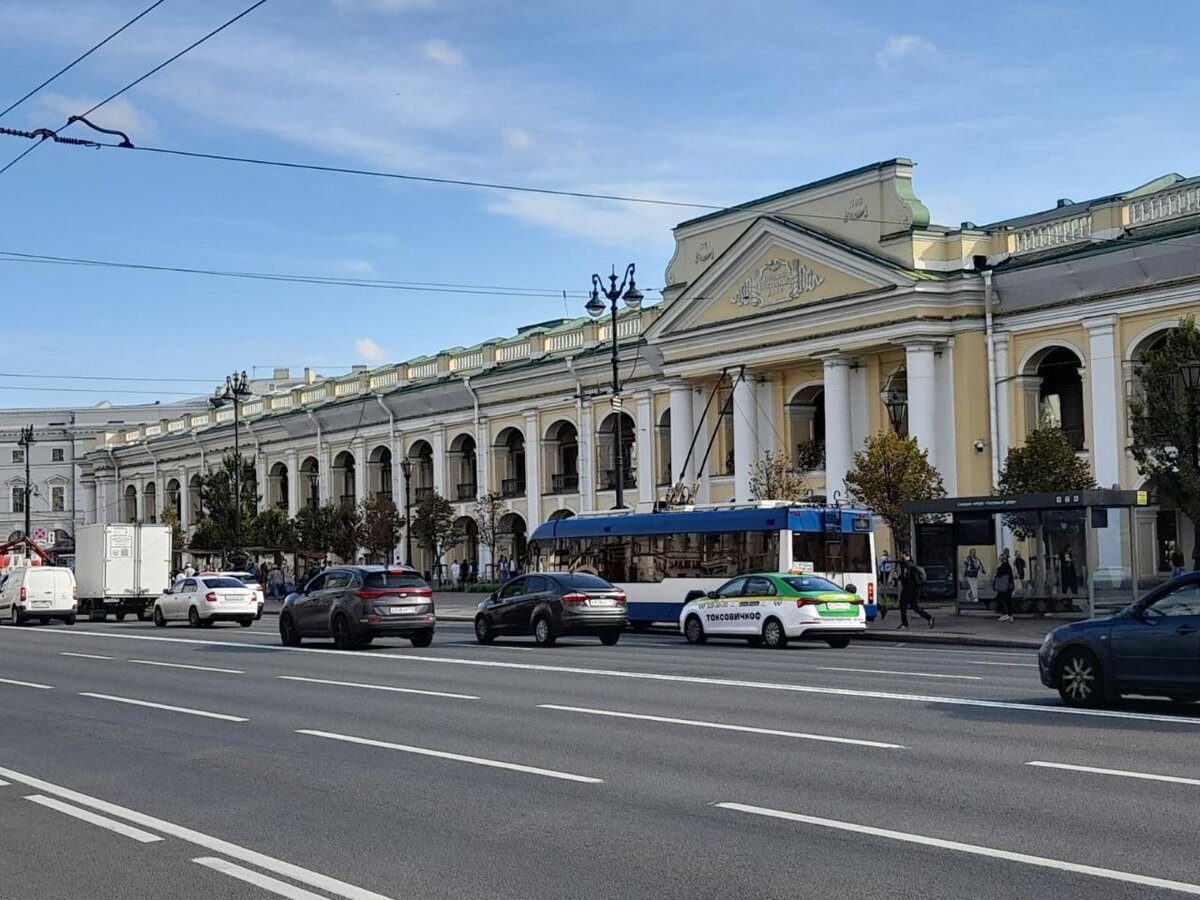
179 709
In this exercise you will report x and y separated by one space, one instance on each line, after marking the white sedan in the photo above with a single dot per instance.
250 580
204 599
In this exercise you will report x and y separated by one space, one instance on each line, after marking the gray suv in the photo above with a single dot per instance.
356 604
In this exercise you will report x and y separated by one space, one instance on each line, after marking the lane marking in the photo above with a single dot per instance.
457 757
891 672
167 665
208 842
168 708
3 784
1121 773
85 655
84 815
1055 709
274 885
28 684
973 849
723 727
379 687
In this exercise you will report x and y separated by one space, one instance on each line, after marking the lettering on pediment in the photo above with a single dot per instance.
704 252
856 210
777 281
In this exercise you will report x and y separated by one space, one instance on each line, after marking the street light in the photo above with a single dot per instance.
27 442
897 406
237 388
595 308
1190 371
406 468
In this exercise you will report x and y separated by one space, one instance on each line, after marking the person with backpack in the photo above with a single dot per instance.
910 579
972 569
1002 584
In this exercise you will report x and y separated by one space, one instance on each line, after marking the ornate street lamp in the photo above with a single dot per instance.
237 388
406 469
897 407
1190 371
595 308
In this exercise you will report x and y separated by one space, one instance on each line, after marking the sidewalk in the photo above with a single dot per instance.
979 629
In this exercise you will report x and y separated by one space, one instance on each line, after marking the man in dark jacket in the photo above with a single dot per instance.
910 579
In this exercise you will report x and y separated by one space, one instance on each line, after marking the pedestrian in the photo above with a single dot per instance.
263 573
275 583
455 571
1002 584
1070 578
189 571
1019 568
474 571
972 569
503 569
883 567
1177 563
910 578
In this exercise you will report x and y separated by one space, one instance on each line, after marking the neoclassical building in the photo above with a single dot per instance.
785 322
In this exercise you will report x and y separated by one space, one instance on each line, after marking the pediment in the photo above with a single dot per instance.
776 267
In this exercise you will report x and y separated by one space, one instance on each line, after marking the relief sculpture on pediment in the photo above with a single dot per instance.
777 281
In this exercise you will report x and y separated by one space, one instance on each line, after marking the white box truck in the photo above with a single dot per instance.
121 569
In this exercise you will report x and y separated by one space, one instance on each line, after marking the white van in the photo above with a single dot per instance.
38 592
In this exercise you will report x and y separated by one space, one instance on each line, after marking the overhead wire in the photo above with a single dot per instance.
140 79
80 58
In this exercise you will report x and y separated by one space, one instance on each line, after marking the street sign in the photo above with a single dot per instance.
39 533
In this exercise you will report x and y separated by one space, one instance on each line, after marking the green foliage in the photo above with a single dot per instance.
177 538
433 527
273 530
773 477
490 508
1045 464
889 471
379 526
328 528
1164 421
221 512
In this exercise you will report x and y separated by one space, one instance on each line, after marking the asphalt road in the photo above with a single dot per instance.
649 769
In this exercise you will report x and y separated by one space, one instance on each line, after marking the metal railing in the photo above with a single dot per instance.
810 456
608 479
468 490
564 483
422 494
513 487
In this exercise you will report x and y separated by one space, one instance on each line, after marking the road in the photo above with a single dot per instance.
143 762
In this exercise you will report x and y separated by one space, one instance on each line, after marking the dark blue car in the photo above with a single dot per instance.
1150 647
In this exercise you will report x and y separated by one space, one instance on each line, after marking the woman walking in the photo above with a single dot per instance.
1003 586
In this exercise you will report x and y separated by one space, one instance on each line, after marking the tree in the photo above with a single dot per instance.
772 477
328 528
379 526
216 530
178 543
273 530
433 527
490 508
889 471
1163 415
1045 464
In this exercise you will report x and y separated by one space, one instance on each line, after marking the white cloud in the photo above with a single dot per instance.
382 7
516 138
369 350
631 225
441 52
358 268
902 48
118 114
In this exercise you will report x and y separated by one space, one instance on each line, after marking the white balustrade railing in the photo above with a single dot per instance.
423 370
1165 205
346 388
464 361
568 340
506 352
1054 234
315 394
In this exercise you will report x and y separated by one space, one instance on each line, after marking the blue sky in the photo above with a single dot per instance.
1004 109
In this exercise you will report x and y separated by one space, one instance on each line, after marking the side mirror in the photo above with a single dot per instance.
852 588
713 595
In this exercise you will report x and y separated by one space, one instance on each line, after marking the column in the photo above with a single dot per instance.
483 457
699 400
745 443
767 430
1104 438
839 448
860 405
922 395
644 444
1003 406
324 479
945 425
139 500
682 429
587 456
293 482
533 472
437 440
359 450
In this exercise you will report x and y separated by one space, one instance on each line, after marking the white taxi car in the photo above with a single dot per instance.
770 608
205 599
250 580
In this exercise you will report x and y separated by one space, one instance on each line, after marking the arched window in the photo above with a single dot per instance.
344 478
509 451
562 452
464 469
379 472
1054 374
806 421
310 482
606 456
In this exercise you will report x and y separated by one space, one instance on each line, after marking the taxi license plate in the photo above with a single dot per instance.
402 610
602 601
837 605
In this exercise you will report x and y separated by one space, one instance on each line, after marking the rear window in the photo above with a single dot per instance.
244 577
384 580
811 583
222 583
584 582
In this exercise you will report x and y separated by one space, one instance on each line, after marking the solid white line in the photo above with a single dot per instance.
178 709
973 849
151 662
3 784
1053 709
891 672
1174 779
28 684
128 831
274 885
85 655
216 845
379 687
457 757
722 727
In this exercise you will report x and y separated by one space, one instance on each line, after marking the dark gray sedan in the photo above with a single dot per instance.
1150 647
550 604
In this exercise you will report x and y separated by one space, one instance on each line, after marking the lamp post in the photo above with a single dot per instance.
27 442
595 308
1190 371
406 468
237 388
897 406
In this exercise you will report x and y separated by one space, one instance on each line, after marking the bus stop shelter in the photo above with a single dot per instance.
1098 528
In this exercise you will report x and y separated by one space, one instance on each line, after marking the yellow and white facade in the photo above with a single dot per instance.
807 306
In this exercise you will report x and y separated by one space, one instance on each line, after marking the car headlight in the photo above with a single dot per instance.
1047 642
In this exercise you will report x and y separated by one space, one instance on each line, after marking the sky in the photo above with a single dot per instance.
1004 108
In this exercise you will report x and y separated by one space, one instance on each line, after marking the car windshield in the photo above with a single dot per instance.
222 582
808 583
584 582
244 577
398 579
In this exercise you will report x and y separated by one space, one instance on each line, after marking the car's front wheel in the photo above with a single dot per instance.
1079 679
159 619
483 630
288 635
693 630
